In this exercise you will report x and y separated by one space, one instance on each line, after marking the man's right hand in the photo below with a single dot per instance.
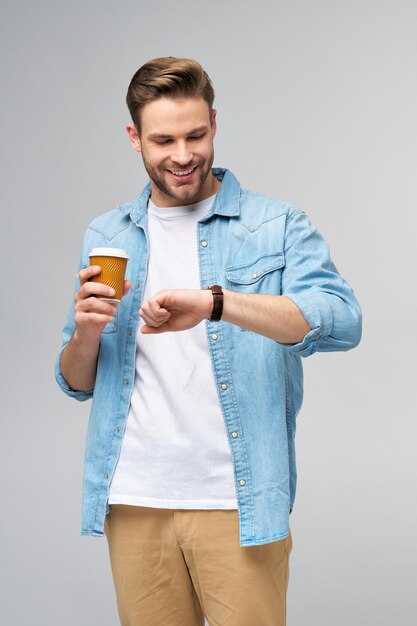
79 357
91 312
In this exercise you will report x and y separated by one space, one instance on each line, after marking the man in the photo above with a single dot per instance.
190 462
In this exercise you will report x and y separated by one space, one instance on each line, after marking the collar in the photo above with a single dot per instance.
227 202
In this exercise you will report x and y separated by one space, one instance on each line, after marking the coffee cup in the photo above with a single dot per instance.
112 262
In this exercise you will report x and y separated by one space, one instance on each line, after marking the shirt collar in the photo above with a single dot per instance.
227 200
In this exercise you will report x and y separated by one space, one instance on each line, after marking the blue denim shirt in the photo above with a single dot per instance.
248 243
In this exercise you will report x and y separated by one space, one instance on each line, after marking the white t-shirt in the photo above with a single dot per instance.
175 451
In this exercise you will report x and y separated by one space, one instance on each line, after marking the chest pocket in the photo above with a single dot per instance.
261 275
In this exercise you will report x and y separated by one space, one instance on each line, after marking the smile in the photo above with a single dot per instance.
182 173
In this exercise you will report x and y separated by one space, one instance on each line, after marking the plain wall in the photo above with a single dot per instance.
317 106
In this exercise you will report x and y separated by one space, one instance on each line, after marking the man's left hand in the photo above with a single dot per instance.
175 309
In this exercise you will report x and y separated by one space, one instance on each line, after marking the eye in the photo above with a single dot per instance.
162 142
195 137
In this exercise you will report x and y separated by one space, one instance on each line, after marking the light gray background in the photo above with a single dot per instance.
316 105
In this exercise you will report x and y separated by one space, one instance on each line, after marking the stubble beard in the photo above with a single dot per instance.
185 193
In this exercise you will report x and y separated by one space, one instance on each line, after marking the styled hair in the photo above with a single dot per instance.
167 77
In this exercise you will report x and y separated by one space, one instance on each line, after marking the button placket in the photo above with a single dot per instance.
209 274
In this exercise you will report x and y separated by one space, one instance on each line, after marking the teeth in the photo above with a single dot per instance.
182 173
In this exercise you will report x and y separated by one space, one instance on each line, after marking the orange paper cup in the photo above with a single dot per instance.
113 263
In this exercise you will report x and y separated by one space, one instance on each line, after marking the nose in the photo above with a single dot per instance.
182 154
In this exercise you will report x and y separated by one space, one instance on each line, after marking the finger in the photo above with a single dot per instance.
147 311
126 287
152 317
152 323
96 305
85 274
153 330
84 319
156 309
88 289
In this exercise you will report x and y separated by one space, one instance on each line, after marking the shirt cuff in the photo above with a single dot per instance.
78 395
317 311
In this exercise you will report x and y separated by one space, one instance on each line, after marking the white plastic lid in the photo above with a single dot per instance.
119 252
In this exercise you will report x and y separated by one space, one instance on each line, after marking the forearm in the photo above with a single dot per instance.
79 363
276 317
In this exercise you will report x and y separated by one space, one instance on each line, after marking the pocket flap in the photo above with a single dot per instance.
250 272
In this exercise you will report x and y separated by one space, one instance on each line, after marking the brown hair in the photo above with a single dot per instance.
167 77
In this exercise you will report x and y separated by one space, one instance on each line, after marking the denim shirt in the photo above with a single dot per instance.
248 243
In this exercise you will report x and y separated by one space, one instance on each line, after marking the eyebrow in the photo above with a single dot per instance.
199 129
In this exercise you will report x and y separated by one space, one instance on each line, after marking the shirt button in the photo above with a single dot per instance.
215 337
126 381
204 244
224 386
137 285
106 476
130 333
242 482
118 429
234 434
254 275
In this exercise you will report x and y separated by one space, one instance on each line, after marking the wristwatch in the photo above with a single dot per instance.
217 311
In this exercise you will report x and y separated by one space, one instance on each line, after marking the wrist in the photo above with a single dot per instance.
85 343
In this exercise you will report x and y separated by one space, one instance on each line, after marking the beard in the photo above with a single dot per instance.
183 193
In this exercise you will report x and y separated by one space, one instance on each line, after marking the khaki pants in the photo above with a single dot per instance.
174 567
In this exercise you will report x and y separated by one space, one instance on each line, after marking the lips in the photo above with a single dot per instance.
183 175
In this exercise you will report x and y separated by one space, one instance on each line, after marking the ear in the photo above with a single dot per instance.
213 122
134 138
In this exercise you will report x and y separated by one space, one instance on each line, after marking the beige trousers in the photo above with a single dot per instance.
174 567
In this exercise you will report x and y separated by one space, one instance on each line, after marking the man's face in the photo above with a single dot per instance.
176 142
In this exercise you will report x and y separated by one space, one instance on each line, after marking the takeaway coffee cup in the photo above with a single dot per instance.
113 266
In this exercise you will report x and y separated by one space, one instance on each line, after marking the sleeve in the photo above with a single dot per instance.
311 280
69 328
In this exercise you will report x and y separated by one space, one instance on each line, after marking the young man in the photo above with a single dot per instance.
190 462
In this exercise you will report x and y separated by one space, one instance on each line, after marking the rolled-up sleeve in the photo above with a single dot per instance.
78 395
68 331
311 280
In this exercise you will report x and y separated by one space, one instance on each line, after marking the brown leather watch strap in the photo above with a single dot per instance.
217 311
